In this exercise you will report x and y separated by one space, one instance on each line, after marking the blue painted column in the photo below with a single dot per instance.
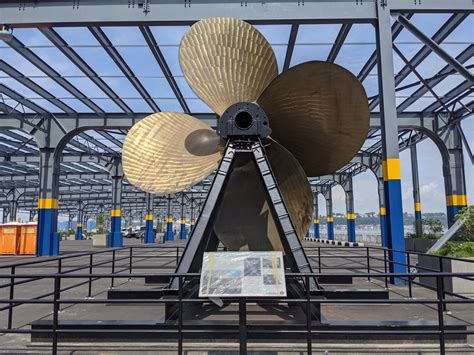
80 210
192 222
329 217
182 232
47 241
115 238
316 217
149 236
169 222
416 190
382 211
350 215
390 149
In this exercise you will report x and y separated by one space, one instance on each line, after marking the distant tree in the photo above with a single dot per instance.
434 226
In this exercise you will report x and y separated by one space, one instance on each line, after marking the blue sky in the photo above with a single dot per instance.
313 43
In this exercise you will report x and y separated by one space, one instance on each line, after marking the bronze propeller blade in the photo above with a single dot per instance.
225 61
168 152
319 112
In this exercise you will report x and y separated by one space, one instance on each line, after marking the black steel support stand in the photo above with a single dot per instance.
203 238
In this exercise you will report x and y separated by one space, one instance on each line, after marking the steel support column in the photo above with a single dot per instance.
69 223
329 218
115 236
416 190
391 161
5 214
192 221
47 243
149 236
316 217
169 221
456 197
80 217
13 204
349 192
182 231
382 212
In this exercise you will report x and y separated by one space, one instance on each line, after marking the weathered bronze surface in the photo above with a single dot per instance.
319 112
225 61
168 152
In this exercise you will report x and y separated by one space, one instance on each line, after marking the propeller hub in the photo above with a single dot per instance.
244 119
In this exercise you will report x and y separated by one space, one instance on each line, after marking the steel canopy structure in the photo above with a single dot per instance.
75 75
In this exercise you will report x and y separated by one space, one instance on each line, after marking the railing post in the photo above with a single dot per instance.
440 293
368 264
57 291
177 256
113 269
385 267
91 259
10 308
243 326
180 315
409 278
130 261
308 316
319 259
441 270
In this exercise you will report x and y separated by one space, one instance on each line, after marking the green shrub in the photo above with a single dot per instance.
466 233
423 236
456 250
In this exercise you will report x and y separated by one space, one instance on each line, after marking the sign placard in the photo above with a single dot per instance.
243 274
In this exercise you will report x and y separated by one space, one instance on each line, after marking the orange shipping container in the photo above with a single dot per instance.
9 238
27 240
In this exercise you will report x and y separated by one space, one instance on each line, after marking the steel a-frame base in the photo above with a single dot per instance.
204 239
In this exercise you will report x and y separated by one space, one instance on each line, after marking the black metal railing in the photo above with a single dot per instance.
370 263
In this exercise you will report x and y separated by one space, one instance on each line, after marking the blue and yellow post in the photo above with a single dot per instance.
394 209
390 148
454 204
347 185
330 226
316 228
47 235
351 228
316 216
416 190
191 225
169 222
79 231
149 236
169 228
383 226
115 236
182 231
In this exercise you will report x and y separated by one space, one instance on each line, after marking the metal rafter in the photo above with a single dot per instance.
104 41
291 46
155 50
62 45
444 31
15 74
51 73
341 37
